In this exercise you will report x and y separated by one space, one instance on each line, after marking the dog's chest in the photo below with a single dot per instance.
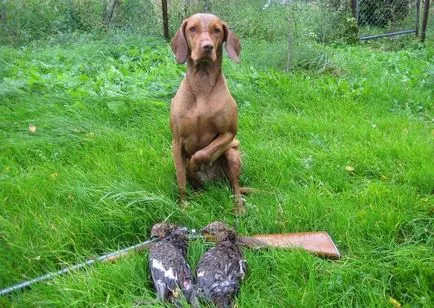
200 125
203 115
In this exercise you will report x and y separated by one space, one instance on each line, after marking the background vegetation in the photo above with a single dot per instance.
335 136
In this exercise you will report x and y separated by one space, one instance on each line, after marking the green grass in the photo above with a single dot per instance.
98 172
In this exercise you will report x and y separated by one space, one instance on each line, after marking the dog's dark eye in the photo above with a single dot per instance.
192 29
217 30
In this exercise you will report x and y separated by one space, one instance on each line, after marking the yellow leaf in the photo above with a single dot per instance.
349 168
32 128
394 302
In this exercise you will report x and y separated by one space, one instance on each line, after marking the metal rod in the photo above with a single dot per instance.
107 257
417 17
370 37
424 20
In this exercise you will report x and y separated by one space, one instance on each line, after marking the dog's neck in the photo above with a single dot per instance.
203 76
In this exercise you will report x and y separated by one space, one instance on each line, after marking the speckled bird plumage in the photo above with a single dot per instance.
170 271
222 268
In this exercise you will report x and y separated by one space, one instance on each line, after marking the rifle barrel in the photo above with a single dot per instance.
112 256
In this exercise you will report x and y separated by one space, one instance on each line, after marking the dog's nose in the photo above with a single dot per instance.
207 46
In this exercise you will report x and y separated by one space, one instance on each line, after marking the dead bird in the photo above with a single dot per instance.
221 269
170 271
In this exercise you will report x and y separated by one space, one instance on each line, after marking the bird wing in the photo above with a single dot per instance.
219 272
169 270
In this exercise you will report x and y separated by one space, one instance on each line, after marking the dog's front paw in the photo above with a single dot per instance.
197 160
193 165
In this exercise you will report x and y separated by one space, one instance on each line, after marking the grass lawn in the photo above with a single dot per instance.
86 168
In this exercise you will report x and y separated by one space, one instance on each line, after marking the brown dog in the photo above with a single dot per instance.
203 114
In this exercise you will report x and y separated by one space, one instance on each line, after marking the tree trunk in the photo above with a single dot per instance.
109 12
165 19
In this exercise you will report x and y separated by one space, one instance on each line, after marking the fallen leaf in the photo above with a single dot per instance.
349 168
32 128
394 302
54 175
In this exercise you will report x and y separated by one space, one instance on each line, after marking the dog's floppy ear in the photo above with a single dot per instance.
233 46
179 44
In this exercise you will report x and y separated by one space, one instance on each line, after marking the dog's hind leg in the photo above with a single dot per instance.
233 159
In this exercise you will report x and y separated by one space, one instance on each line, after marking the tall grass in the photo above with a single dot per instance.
347 150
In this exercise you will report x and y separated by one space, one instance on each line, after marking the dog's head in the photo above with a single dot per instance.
201 36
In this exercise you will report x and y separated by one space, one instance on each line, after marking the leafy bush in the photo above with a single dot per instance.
138 15
25 20
289 34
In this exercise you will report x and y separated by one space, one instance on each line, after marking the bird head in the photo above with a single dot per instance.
218 231
163 229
